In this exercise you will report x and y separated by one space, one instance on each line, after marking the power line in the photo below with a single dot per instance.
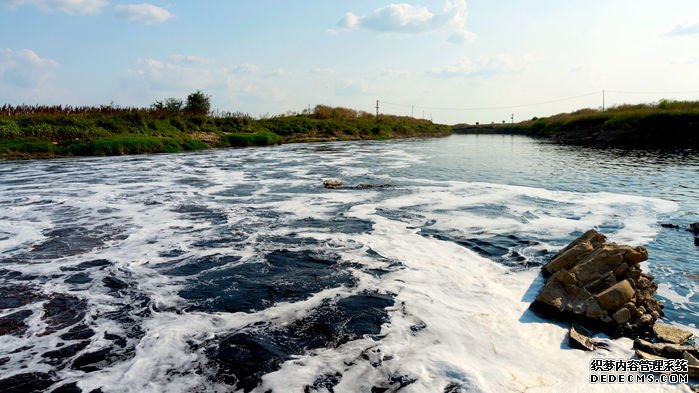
493 107
504 107
652 92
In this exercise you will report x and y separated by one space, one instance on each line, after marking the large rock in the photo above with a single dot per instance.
614 297
599 283
333 184
573 253
669 351
671 334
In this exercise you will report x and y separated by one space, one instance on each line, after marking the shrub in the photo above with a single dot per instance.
198 103
9 129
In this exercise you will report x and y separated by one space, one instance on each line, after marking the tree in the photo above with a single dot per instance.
198 103
172 105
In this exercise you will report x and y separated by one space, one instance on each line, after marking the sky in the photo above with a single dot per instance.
456 61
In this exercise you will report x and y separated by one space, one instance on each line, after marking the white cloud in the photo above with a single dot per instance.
350 87
176 72
191 59
25 68
484 66
68 6
389 72
323 71
349 21
403 18
228 84
406 18
684 29
462 37
144 13
245 68
279 72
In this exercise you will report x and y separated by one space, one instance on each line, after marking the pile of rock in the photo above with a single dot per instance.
600 284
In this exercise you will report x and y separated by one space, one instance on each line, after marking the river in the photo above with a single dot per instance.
236 269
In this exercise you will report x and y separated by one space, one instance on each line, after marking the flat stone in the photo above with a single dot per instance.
563 297
332 184
594 310
603 260
579 337
648 356
635 255
632 309
569 258
621 269
642 283
671 334
670 351
615 296
565 277
691 360
592 236
622 316
645 319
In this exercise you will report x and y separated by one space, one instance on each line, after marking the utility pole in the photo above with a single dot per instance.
603 101
377 110
512 118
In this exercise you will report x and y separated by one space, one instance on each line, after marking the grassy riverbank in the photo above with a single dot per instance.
43 132
667 124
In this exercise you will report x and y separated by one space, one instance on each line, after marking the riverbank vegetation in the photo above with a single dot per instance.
174 125
665 124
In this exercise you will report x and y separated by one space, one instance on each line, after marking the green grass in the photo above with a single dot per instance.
662 124
57 131
109 146
244 139
26 147
132 144
626 117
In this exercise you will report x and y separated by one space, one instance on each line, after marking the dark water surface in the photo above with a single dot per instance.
236 269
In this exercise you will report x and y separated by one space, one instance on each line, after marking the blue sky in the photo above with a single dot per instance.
456 61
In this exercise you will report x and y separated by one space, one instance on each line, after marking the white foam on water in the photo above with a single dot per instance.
477 331
165 347
537 212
